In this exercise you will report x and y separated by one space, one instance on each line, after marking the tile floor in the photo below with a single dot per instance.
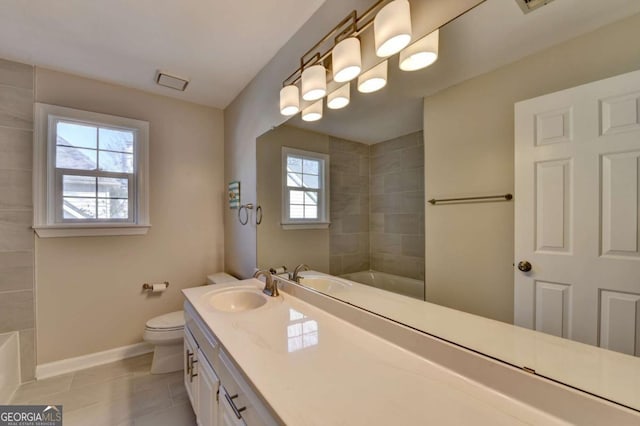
122 393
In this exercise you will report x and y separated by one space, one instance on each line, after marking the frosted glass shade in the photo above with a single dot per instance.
340 97
420 54
313 112
314 83
289 100
392 28
347 61
374 79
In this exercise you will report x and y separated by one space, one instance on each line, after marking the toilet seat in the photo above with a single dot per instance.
167 322
165 329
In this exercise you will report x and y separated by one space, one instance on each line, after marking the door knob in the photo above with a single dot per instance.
524 266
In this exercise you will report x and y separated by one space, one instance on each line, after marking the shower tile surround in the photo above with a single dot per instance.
17 311
377 207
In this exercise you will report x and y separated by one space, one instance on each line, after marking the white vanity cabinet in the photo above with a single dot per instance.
218 393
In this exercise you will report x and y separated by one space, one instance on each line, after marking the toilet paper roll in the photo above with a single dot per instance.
158 288
278 270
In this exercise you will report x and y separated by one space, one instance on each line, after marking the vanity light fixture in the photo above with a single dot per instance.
374 79
420 54
313 112
346 59
392 28
314 83
341 50
289 100
340 97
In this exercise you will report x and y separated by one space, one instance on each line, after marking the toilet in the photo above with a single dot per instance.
166 333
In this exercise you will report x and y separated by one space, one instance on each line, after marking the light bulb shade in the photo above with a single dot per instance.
420 54
314 83
374 79
313 112
340 97
347 61
392 28
289 100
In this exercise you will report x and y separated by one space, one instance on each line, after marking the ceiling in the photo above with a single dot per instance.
220 45
493 34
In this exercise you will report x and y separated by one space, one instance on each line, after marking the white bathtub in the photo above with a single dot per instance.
394 283
9 366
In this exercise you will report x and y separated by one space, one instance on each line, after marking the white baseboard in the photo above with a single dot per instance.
69 365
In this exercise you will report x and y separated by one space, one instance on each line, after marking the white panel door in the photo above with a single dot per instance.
577 206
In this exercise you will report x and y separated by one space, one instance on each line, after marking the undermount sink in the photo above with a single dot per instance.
237 300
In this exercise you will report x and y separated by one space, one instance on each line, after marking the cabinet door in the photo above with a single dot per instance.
190 369
208 385
228 416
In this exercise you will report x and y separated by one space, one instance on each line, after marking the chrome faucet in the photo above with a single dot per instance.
270 285
296 272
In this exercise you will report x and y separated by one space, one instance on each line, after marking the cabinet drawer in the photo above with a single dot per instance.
205 340
255 413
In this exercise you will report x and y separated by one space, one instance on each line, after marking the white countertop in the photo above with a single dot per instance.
609 374
313 368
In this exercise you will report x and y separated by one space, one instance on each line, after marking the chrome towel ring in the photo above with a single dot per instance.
246 208
258 215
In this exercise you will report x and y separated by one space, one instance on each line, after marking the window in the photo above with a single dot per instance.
305 189
90 174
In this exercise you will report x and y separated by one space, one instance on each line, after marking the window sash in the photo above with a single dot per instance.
318 205
59 198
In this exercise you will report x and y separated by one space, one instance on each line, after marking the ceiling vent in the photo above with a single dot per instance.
171 81
531 5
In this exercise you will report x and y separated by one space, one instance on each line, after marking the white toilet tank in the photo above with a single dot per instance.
220 278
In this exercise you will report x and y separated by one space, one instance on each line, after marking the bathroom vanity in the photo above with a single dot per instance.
258 360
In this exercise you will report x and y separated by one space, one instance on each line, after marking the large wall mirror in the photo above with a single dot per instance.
544 106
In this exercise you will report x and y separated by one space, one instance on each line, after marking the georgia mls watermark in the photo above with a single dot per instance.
30 415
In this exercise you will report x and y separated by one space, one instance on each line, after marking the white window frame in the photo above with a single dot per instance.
323 220
47 186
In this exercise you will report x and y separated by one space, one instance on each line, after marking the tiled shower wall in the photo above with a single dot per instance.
377 206
397 206
349 230
16 236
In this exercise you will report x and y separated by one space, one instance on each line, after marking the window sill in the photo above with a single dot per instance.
92 230
295 226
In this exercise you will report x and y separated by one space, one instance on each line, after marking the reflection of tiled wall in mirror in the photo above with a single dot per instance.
397 206
377 206
349 231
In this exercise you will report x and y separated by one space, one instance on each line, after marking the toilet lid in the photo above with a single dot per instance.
168 321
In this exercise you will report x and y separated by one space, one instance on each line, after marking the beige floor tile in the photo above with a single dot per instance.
179 415
38 390
116 394
178 392
104 373
149 381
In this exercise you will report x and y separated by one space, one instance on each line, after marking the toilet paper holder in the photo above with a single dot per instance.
147 286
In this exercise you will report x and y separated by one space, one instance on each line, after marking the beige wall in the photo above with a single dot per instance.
469 151
89 295
276 246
